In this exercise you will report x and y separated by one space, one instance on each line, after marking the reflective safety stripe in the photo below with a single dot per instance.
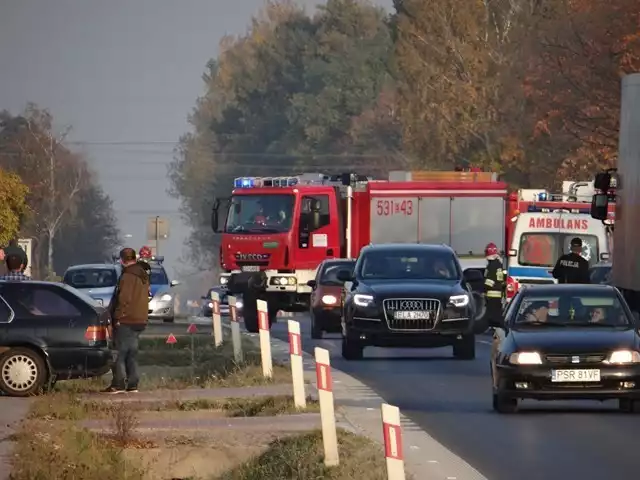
489 283
500 275
494 294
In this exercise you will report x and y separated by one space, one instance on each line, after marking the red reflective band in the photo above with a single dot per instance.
263 320
232 313
295 344
323 376
392 441
216 308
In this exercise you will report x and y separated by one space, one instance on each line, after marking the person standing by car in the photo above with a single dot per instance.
15 249
15 267
572 267
493 282
130 317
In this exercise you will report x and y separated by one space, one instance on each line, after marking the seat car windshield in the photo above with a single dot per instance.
570 309
542 249
329 275
223 296
91 278
399 265
260 213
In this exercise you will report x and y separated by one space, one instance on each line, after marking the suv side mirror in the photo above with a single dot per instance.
496 322
174 283
345 276
472 275
312 283
599 206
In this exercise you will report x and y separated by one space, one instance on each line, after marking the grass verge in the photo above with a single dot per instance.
178 366
69 454
301 457
68 406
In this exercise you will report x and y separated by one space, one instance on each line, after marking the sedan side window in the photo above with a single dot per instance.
5 311
39 302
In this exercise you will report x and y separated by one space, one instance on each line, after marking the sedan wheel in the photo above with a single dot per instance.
629 406
316 331
22 372
502 404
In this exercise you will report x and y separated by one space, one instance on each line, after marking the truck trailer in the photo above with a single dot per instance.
620 187
277 230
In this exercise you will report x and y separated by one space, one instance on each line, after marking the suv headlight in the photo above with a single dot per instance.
525 358
459 300
362 300
623 357
165 298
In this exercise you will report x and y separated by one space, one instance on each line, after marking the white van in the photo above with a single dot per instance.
540 238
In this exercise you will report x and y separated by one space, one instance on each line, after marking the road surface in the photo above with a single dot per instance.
451 399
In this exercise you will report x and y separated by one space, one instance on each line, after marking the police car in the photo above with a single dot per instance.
161 298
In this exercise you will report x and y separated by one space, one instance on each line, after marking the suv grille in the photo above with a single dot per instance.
392 305
583 358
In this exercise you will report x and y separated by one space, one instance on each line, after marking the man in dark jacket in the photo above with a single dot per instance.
130 307
572 267
15 249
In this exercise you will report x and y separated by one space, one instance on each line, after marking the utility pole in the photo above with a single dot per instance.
157 235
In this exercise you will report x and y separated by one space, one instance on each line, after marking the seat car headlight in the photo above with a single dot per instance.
210 304
329 300
362 300
165 298
525 358
238 304
459 300
623 357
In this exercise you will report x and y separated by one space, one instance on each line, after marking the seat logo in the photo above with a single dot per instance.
575 359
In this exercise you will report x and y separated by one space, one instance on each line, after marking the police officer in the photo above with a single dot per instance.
493 282
572 267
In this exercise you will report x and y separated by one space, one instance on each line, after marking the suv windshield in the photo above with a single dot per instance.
158 276
329 273
543 249
260 213
91 277
601 310
399 265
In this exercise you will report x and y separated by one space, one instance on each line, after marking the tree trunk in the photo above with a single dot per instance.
50 252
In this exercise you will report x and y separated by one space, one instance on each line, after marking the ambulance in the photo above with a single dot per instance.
541 228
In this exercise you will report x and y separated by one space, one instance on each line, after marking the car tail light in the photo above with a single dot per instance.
512 287
96 334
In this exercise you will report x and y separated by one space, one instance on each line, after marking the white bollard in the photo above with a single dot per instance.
217 321
236 339
265 339
392 433
297 368
327 411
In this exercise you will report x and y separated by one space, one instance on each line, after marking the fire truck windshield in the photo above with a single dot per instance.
260 213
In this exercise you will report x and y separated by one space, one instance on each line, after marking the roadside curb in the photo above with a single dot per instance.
359 409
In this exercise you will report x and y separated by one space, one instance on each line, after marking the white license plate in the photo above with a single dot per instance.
250 268
412 315
575 375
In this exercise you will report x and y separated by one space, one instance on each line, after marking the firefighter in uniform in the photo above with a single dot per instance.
493 282
572 267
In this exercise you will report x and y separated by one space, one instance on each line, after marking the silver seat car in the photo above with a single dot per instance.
96 280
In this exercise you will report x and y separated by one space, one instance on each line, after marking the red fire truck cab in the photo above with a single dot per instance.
277 230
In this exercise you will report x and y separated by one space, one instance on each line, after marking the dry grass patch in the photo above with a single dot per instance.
301 457
69 454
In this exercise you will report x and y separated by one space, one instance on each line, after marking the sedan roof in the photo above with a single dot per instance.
570 288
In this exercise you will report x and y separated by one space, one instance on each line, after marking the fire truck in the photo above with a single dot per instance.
540 228
277 230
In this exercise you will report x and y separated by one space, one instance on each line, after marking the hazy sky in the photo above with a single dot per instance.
125 74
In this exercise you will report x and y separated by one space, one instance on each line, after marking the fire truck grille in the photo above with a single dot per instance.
411 314
252 263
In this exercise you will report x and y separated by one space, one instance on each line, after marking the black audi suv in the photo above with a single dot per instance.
407 295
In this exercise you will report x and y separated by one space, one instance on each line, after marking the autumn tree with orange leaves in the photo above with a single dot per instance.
583 49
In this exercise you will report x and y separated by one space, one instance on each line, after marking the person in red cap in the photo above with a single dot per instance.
493 282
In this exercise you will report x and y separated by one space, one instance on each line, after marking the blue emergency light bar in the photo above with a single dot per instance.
252 182
536 209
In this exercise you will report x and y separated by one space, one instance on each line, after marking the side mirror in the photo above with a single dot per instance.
496 323
312 283
215 220
345 276
602 181
471 275
174 283
599 206
636 317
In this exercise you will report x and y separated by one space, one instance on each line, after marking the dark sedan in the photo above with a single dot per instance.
326 296
49 332
207 304
407 295
566 342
